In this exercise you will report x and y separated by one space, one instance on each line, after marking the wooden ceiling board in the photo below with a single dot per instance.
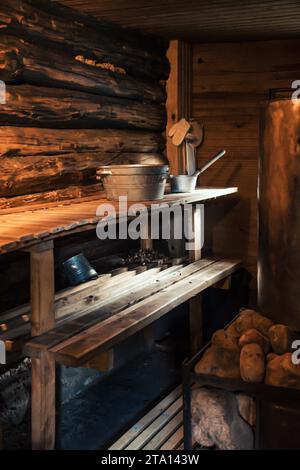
201 20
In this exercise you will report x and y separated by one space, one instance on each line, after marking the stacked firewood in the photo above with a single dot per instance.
255 350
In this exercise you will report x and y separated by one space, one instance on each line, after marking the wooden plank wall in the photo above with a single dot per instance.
230 81
80 93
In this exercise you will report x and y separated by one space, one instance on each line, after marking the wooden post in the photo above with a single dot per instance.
43 368
179 97
146 240
195 303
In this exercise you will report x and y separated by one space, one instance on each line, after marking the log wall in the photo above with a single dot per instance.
230 80
80 93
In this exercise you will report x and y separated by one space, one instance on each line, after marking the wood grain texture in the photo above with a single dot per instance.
65 70
35 158
32 106
57 220
54 25
22 61
178 98
230 81
81 347
201 20
43 368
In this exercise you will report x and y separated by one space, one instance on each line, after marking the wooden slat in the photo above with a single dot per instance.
144 422
164 433
131 294
81 347
144 437
175 440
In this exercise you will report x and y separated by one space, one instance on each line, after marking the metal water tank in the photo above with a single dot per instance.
279 213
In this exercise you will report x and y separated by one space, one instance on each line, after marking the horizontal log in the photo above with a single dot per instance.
28 141
24 62
17 203
27 105
59 26
26 175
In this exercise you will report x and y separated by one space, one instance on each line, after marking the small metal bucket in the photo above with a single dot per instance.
137 182
79 270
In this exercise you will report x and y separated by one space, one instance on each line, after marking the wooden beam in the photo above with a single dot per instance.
179 96
43 368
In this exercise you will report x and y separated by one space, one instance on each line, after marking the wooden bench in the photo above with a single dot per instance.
81 330
142 300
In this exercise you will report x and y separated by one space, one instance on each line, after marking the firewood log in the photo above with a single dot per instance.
254 336
31 106
281 372
252 363
222 358
281 338
251 319
57 26
25 62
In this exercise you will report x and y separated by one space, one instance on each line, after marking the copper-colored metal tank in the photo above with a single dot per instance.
279 213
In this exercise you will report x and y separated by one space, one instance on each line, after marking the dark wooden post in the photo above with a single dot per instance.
43 367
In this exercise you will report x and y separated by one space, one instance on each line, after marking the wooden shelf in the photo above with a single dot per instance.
22 230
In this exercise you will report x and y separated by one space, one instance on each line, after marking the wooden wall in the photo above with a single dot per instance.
80 93
230 80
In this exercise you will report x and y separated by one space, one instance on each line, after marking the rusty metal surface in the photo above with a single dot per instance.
279 213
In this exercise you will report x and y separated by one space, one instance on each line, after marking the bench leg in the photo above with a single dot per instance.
196 326
43 368
195 303
43 402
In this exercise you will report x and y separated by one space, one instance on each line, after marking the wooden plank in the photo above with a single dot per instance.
144 422
109 332
174 441
161 437
131 295
144 437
